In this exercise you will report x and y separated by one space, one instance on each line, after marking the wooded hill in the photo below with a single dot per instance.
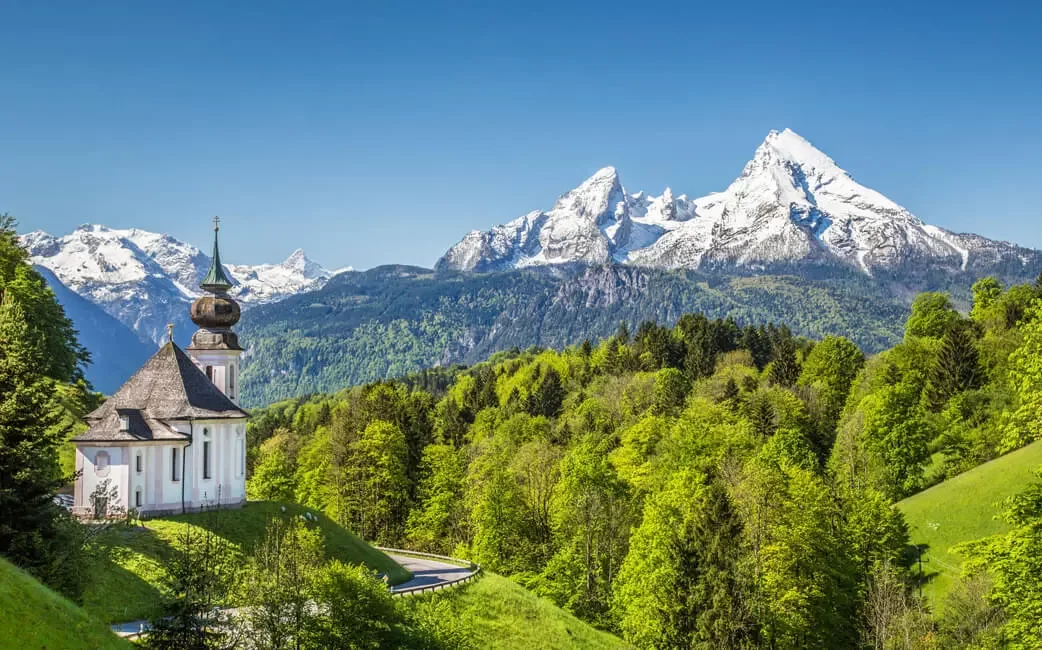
703 485
394 320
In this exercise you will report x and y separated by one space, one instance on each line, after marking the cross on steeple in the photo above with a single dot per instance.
170 331
216 223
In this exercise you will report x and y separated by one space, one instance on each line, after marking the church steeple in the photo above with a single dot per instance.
216 281
215 347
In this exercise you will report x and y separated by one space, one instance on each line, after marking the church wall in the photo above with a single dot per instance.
103 463
225 449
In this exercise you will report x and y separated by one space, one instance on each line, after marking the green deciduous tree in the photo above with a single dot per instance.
1024 423
274 476
379 482
439 523
932 316
830 368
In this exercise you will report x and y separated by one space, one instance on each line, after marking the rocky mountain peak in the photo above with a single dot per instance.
792 204
595 198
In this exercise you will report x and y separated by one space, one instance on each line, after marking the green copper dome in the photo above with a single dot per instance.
216 280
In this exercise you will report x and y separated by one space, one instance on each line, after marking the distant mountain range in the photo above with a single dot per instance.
146 279
791 205
793 239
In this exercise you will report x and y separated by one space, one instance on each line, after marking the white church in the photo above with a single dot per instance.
173 438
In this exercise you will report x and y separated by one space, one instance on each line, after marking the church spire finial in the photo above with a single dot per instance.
216 281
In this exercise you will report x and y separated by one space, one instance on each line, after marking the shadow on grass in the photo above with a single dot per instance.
126 564
920 570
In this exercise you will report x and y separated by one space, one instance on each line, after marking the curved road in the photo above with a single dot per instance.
427 572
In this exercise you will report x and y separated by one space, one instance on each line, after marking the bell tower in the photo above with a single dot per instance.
215 347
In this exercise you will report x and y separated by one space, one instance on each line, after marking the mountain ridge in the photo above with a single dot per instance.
791 204
146 280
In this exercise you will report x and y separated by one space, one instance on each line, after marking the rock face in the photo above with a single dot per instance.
791 205
146 279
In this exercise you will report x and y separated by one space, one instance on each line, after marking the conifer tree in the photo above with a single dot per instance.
956 368
197 583
784 369
34 532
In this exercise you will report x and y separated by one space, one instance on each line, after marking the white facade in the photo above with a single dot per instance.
169 476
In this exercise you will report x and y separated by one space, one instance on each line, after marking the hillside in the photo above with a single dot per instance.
503 615
124 586
389 321
33 616
964 508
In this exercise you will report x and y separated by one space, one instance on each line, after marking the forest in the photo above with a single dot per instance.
703 485
395 320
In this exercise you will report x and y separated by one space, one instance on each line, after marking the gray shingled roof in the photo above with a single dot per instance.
168 387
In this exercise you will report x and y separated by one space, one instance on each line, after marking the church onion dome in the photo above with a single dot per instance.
217 311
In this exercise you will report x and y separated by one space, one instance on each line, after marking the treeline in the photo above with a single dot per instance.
703 485
391 321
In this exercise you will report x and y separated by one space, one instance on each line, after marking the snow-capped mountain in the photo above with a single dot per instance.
792 204
146 279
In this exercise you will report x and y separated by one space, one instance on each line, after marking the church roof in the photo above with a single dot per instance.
169 387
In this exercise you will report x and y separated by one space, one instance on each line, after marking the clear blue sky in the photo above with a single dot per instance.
379 132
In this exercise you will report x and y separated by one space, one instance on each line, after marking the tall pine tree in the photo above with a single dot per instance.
34 532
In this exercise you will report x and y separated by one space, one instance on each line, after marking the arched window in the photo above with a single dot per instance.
231 382
209 372
101 463
139 465
137 498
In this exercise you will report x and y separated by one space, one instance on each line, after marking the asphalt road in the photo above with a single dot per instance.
427 572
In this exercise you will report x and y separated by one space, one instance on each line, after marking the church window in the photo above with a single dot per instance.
101 463
124 422
206 459
138 464
231 382
175 464
209 372
137 498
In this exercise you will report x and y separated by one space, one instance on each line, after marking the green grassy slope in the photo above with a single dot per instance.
33 616
123 583
964 508
505 616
